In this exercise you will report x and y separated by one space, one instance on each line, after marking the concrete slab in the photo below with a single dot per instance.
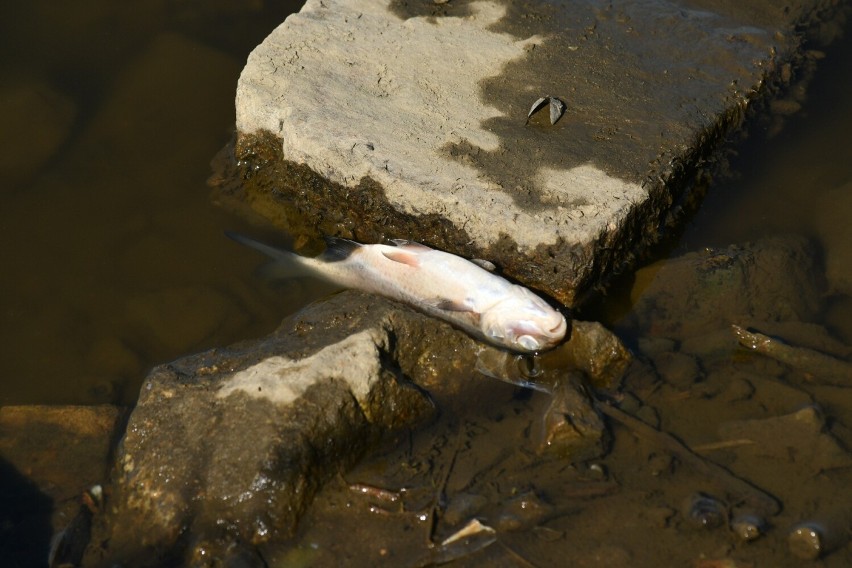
400 119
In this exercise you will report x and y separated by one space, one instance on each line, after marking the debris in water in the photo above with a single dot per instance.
824 368
748 527
806 541
383 501
473 528
706 512
815 538
557 108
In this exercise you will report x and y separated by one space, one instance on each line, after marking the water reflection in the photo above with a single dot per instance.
114 256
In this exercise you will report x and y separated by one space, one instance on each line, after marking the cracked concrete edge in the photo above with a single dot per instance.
330 203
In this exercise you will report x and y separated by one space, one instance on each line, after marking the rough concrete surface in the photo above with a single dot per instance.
409 119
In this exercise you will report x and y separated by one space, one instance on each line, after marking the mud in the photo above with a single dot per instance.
734 461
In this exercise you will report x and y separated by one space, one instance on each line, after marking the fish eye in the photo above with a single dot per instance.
529 342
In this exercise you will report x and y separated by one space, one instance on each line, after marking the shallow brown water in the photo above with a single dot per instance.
116 261
114 258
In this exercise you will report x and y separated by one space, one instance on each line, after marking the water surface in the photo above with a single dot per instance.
114 257
114 260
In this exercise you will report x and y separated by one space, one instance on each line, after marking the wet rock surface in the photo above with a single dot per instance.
237 441
410 121
231 445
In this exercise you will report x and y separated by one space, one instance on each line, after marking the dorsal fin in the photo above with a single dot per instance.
403 256
410 245
485 264
337 249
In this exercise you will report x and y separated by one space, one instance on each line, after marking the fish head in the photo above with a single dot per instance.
524 322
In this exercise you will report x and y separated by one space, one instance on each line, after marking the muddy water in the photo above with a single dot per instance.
113 254
114 260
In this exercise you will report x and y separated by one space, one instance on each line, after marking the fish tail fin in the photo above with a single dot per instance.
270 251
337 249
284 265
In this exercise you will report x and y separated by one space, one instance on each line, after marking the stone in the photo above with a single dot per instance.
800 437
393 119
571 427
596 351
678 369
231 445
204 311
37 120
686 296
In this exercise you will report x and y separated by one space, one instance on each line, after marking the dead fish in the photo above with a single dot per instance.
437 283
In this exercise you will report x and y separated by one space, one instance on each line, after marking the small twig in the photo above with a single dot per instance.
723 445
440 489
745 490
826 369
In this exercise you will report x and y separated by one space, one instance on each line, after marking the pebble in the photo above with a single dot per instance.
748 527
703 511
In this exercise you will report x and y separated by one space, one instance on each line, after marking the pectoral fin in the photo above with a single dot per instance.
402 256
452 305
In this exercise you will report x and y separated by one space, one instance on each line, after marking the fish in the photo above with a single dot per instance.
465 293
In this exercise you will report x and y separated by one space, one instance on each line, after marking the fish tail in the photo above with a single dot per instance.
270 251
284 265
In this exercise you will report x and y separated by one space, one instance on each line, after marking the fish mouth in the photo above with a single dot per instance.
558 331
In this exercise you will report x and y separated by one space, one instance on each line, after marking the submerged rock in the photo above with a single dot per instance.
63 449
835 233
411 120
801 438
686 296
704 511
38 120
232 444
571 426
748 527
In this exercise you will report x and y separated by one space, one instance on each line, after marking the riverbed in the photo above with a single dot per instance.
116 261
